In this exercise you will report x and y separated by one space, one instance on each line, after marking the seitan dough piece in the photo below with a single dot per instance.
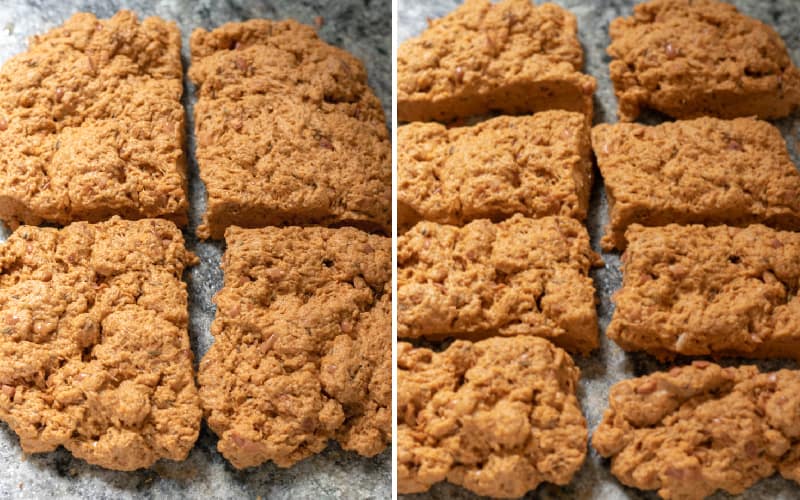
690 58
94 348
703 171
91 124
696 290
288 131
701 428
512 57
302 347
517 277
498 417
533 165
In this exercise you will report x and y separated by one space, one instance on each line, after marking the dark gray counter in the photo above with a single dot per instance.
361 26
610 364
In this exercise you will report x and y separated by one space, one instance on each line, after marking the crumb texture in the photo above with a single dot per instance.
497 417
302 351
511 56
517 277
533 165
94 350
91 124
697 290
288 132
702 428
689 58
703 171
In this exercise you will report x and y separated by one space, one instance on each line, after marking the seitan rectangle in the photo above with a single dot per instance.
518 277
302 349
536 165
512 57
704 171
288 131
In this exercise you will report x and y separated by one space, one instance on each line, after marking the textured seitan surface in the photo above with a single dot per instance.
517 277
302 351
689 58
94 350
697 429
288 132
512 57
699 290
703 171
534 165
497 416
91 124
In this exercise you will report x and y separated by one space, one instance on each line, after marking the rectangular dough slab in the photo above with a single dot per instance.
697 290
288 131
94 347
690 58
703 171
92 125
302 349
498 417
512 57
534 165
518 277
701 428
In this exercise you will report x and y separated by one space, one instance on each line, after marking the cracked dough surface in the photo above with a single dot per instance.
696 429
702 171
497 417
697 290
288 131
689 58
302 345
94 349
511 56
91 123
518 277
534 165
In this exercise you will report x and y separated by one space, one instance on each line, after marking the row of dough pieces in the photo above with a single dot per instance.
499 416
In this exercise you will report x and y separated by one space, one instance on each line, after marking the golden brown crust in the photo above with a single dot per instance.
689 58
288 132
91 124
703 171
302 350
497 416
700 428
517 277
534 165
697 290
512 57
94 350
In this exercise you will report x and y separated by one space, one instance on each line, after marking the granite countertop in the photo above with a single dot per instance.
362 27
610 364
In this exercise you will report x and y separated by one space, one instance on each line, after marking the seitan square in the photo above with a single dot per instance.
91 124
94 348
302 347
533 165
703 171
518 277
701 428
511 57
697 290
690 58
288 132
498 417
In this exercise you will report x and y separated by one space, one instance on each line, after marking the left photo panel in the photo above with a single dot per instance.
196 251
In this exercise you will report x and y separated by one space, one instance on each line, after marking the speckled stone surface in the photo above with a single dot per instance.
610 364
364 28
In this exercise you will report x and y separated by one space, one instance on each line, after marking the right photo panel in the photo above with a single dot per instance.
598 250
